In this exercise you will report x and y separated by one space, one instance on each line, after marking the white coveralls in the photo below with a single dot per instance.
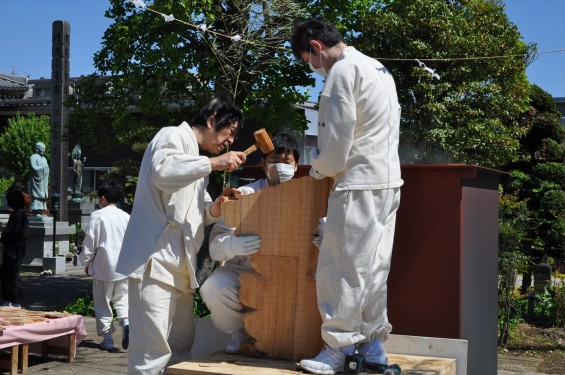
100 251
358 129
165 232
220 291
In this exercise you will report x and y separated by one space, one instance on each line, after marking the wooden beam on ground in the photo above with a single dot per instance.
227 364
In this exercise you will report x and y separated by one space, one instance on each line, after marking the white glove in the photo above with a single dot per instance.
314 173
245 245
314 153
318 241
319 232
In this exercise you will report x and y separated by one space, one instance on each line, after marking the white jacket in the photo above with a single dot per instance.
170 200
358 125
103 242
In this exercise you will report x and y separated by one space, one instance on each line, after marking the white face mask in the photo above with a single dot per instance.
279 172
321 70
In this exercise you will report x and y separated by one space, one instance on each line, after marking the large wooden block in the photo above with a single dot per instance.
280 292
226 364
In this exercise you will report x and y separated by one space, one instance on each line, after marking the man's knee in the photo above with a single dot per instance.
215 288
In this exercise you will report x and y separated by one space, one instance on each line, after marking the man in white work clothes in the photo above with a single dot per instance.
220 291
166 230
100 252
358 129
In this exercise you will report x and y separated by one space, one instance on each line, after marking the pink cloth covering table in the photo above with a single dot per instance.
41 331
71 326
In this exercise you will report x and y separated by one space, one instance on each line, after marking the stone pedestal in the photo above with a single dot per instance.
54 264
79 212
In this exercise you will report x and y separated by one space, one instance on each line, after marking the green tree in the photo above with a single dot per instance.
512 230
542 122
17 143
470 114
156 73
538 179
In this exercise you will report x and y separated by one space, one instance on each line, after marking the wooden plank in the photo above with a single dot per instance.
12 316
221 363
14 359
226 364
430 347
24 358
270 338
68 352
71 349
280 292
415 365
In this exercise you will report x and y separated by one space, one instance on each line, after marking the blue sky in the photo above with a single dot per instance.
25 36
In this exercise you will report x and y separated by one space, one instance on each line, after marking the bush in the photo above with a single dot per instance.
82 306
559 295
5 184
200 310
546 309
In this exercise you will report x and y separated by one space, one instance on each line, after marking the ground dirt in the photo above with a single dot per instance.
541 348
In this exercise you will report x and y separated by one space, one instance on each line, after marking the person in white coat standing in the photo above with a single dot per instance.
166 230
220 291
100 251
358 130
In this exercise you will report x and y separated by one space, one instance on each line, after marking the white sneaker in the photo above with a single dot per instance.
107 343
329 361
237 338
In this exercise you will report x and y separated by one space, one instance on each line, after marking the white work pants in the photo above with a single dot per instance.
353 265
104 292
220 292
161 326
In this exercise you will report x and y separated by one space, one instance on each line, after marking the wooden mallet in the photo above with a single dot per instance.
263 142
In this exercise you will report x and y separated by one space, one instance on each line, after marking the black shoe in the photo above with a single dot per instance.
125 340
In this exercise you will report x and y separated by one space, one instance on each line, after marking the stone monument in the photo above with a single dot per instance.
78 166
60 68
39 180
48 241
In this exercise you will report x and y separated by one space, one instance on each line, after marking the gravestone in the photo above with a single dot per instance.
542 277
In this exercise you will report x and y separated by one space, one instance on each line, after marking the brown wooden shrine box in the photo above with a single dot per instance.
443 281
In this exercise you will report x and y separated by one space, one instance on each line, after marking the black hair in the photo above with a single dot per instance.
15 199
112 190
224 111
17 186
311 29
285 142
